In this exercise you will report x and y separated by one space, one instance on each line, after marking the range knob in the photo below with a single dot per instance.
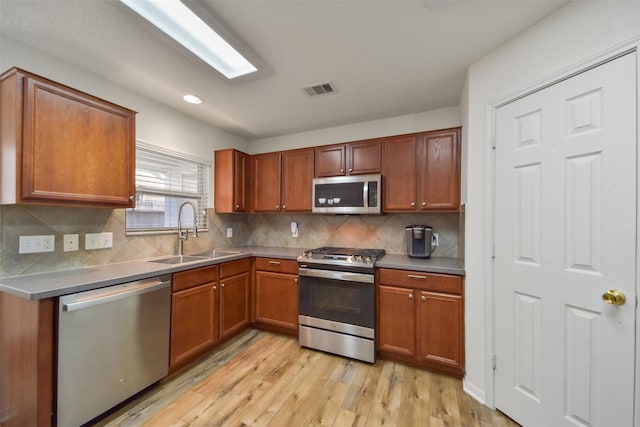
368 260
358 258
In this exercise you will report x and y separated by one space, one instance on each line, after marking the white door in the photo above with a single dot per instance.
565 233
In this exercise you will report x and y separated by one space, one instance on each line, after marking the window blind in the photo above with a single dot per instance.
163 182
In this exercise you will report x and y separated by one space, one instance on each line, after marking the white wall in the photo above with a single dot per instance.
156 123
573 35
429 120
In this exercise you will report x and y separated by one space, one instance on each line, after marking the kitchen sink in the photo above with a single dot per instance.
179 259
215 254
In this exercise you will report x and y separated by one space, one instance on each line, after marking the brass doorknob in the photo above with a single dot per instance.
614 296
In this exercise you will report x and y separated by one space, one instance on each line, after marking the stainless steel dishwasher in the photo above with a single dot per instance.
112 343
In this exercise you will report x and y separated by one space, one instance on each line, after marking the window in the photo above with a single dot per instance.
163 182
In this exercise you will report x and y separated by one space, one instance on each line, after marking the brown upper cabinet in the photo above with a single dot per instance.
230 181
63 146
422 171
355 158
282 181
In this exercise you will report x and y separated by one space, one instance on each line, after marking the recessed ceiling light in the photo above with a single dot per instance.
185 27
193 99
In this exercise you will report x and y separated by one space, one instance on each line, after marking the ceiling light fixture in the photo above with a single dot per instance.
185 27
193 99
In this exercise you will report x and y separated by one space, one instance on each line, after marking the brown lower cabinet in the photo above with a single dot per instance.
420 322
194 314
234 297
276 295
209 305
420 319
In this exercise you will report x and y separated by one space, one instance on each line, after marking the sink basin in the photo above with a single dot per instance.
178 259
215 254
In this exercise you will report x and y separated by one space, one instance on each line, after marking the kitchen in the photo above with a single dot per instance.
504 72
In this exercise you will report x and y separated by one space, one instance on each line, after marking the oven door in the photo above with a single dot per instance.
337 296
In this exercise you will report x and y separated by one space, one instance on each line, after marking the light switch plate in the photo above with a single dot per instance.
36 244
98 241
229 232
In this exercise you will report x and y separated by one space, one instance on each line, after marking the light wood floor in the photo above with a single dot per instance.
261 379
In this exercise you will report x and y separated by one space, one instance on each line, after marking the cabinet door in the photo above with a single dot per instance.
76 148
439 324
396 323
399 169
240 181
277 299
265 169
194 322
234 304
363 157
297 180
440 170
231 168
330 161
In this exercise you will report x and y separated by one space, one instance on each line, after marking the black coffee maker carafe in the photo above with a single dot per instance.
420 241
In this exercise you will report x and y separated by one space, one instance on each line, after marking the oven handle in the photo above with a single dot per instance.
337 275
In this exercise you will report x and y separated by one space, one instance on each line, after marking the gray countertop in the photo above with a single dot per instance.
432 265
55 284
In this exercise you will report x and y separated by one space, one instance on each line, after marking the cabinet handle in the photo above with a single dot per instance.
413 204
341 170
222 285
237 206
414 276
423 298
284 206
132 197
277 206
295 280
214 288
274 262
410 296
424 203
350 169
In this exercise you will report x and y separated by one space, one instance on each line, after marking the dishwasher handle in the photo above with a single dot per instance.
121 292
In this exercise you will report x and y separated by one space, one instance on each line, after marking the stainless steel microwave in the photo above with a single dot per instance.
357 194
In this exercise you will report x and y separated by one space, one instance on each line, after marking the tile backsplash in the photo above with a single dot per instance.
364 231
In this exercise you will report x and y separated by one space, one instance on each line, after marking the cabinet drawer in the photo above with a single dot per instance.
190 278
277 265
232 268
421 280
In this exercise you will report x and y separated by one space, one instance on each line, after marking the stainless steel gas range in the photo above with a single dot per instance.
337 301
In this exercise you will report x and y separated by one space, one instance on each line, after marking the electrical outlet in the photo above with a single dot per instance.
98 241
229 232
71 242
36 244
436 238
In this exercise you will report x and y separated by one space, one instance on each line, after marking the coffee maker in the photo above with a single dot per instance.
420 241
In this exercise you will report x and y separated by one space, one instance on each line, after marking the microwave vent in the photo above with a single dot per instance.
321 89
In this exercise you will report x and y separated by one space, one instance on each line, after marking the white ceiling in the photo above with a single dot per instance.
386 58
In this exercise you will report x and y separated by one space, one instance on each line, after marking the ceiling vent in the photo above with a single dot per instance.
321 89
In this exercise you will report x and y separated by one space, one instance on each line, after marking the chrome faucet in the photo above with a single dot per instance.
183 235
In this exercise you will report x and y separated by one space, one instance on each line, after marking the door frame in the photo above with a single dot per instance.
627 47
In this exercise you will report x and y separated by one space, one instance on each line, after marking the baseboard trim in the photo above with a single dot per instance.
473 391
